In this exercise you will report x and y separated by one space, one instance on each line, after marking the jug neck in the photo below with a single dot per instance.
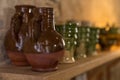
24 8
47 22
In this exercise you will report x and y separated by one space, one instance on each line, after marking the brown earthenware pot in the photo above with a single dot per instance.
17 33
48 46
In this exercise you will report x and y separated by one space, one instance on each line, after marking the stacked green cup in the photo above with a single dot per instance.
93 41
83 38
69 32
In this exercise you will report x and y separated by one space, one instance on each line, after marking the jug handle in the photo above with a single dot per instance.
16 23
36 27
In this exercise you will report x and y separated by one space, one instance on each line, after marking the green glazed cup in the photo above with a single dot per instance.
69 51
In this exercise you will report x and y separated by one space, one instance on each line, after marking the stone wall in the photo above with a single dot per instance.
96 11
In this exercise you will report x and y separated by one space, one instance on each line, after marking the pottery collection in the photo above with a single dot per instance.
32 39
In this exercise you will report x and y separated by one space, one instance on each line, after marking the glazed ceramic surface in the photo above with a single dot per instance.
17 33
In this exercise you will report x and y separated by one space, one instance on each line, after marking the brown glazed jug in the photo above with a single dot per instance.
17 33
34 31
48 45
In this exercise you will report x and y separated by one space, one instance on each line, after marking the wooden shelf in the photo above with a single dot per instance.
65 71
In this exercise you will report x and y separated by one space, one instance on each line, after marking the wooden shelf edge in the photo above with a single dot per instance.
65 71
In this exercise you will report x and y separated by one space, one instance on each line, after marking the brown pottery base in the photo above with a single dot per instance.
17 58
44 61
